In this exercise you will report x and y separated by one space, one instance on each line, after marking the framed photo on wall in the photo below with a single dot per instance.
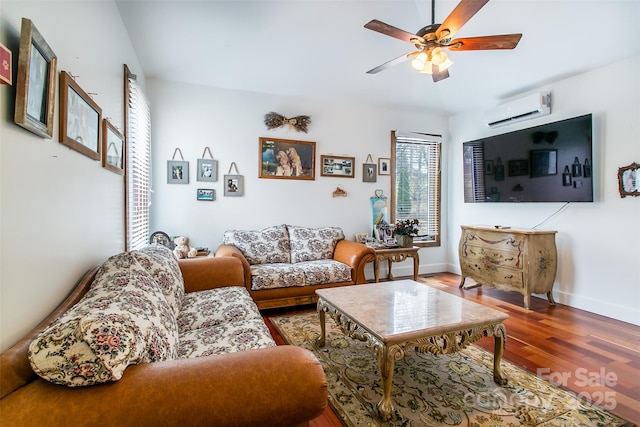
206 194
233 185
286 159
35 88
337 166
177 172
80 118
112 148
384 166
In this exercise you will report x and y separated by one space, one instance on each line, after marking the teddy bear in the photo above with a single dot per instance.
183 249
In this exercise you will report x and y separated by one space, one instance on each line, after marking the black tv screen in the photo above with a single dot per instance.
546 163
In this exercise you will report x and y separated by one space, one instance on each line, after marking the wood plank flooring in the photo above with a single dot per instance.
593 356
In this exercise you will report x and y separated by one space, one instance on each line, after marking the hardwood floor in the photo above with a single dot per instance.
593 356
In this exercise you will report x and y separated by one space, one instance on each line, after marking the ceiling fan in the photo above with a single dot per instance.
429 56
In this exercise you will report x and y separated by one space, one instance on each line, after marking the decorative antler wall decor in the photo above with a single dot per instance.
275 120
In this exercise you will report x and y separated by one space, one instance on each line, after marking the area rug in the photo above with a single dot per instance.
428 390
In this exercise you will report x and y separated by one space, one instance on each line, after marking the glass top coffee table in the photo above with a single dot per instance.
394 318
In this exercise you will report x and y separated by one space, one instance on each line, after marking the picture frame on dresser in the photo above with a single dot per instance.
80 118
36 82
113 148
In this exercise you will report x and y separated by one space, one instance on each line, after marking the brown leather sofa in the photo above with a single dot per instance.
355 255
277 386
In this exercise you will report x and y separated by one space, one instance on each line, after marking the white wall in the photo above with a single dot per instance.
60 212
599 260
230 122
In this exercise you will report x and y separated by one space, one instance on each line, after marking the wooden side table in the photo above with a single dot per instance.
395 255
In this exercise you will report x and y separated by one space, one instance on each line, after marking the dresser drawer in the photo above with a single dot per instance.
496 240
487 258
505 278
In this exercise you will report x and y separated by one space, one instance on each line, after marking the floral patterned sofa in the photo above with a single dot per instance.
285 264
147 340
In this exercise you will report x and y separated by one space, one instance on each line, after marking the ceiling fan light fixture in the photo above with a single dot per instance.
419 62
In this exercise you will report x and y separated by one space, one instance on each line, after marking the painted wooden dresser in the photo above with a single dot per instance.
518 260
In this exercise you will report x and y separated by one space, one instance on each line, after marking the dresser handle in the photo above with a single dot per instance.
509 276
509 259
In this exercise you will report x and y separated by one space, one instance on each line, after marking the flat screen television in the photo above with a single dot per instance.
547 163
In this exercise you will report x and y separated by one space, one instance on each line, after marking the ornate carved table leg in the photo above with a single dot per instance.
416 266
321 315
499 338
386 363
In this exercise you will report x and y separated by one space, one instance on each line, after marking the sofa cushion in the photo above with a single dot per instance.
271 276
226 337
266 246
324 271
163 267
215 306
123 319
311 244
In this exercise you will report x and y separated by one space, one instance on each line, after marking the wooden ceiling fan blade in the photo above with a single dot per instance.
390 30
458 17
505 41
389 64
440 76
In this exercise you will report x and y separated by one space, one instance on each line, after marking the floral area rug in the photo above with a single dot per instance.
429 390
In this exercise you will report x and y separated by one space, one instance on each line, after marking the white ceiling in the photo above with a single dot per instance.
320 50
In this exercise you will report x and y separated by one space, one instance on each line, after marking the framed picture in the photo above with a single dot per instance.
286 159
112 148
488 167
518 167
233 185
177 172
207 170
206 194
629 180
6 61
544 163
384 166
36 84
337 166
369 172
80 118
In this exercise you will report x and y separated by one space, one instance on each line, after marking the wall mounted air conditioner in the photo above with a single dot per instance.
528 107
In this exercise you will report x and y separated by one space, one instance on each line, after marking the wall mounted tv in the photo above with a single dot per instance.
546 163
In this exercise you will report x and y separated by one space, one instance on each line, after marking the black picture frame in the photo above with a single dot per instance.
543 163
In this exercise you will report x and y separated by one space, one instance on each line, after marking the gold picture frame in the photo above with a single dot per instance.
36 82
629 180
113 148
80 118
286 159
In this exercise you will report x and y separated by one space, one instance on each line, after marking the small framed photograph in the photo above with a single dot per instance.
337 166
207 170
287 159
80 118
112 148
177 172
233 185
206 194
369 172
36 84
488 167
384 166
629 180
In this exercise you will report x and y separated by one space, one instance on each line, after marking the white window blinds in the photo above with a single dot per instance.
138 172
473 156
416 182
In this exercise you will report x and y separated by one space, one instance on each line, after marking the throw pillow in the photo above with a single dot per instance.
266 246
312 244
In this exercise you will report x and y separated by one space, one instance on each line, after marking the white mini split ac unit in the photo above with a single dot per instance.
535 105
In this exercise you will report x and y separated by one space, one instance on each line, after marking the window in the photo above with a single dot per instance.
415 183
138 164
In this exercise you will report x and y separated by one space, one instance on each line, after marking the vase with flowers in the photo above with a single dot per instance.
405 229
